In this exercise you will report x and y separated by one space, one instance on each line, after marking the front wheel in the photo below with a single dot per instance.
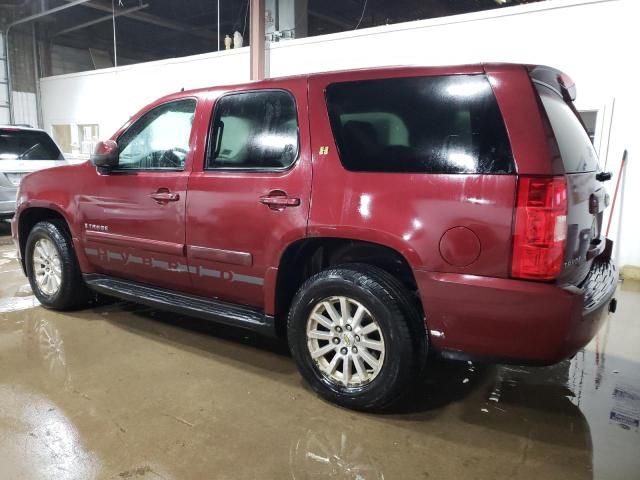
349 332
53 269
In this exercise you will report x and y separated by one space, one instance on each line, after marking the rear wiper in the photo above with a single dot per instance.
28 151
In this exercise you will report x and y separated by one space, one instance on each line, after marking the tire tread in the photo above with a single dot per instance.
73 293
403 315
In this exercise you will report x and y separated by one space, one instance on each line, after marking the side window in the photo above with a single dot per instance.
448 124
160 139
254 130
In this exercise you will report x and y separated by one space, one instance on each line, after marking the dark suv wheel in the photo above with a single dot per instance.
352 330
52 267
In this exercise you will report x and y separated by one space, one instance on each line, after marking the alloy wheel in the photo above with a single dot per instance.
345 341
46 267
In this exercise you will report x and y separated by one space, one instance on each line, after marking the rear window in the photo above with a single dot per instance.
27 145
449 124
573 140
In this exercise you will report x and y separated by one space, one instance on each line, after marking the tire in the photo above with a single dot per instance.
386 304
71 292
410 307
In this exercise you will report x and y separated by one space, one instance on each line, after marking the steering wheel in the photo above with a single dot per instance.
170 159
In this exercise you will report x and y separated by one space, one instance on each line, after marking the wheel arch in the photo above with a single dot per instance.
32 215
305 257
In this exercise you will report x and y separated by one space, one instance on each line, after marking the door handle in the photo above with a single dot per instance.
164 196
278 200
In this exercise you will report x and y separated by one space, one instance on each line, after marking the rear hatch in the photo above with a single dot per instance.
23 151
586 196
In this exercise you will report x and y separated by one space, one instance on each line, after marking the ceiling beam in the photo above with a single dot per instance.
83 42
100 19
155 20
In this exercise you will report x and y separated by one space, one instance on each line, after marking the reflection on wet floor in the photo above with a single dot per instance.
123 391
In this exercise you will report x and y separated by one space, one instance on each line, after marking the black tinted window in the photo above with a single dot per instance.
254 130
27 145
576 149
446 124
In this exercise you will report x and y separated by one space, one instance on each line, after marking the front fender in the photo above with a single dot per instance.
53 190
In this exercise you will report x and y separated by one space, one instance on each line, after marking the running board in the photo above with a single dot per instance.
181 303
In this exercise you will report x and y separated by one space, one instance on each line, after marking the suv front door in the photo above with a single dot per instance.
251 199
133 218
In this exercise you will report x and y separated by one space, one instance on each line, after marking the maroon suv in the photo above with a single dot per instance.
372 216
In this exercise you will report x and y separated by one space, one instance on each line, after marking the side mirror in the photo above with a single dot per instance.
105 157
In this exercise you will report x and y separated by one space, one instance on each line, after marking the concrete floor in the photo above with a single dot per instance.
125 392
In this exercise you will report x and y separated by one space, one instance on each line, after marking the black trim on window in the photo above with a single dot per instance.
210 136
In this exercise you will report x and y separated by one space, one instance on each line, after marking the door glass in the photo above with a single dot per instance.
160 139
62 136
254 130
88 138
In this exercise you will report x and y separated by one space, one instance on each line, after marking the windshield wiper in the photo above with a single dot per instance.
27 151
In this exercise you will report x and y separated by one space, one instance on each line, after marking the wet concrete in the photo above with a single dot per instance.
121 391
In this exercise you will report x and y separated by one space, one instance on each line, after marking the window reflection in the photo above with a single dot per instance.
448 124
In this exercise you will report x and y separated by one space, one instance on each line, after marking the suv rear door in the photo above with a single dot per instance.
249 198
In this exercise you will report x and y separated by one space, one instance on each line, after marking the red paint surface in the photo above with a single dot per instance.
467 296
459 246
224 210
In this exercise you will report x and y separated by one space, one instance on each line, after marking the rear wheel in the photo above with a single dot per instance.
350 335
53 269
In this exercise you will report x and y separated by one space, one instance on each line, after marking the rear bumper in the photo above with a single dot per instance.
16 241
7 208
7 200
515 321
7 190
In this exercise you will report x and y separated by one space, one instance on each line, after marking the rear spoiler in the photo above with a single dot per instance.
554 79
559 82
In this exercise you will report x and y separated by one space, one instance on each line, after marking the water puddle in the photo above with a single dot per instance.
16 304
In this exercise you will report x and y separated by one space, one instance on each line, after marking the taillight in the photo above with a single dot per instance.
541 228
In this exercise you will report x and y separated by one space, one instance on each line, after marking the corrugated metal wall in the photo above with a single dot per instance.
25 110
4 87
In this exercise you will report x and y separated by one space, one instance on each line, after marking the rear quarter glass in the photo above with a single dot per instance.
576 149
442 124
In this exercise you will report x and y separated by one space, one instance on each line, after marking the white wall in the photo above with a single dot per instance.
593 41
109 97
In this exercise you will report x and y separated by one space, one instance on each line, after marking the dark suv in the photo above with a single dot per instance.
374 217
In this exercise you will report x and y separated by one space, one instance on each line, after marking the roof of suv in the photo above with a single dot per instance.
440 69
